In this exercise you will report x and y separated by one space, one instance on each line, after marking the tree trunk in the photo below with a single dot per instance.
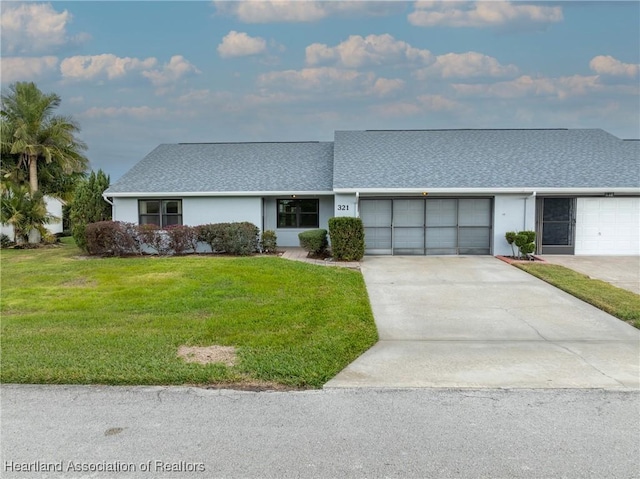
33 173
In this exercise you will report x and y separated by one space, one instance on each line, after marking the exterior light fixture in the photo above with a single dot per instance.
608 194
424 193
293 196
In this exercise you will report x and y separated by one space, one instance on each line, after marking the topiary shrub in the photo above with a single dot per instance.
525 241
112 238
269 243
347 238
314 242
182 239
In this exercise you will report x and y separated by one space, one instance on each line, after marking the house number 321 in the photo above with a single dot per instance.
343 207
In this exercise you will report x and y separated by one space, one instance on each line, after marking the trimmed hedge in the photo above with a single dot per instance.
347 238
269 243
314 241
112 238
182 239
240 239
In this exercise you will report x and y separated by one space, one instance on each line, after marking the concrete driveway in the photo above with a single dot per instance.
620 271
476 322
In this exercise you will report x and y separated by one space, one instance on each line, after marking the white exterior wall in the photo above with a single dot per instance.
607 226
205 210
125 209
511 213
289 236
345 205
200 210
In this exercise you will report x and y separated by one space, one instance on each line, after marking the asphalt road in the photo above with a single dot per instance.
421 433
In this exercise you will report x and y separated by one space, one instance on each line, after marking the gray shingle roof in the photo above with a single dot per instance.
227 167
484 159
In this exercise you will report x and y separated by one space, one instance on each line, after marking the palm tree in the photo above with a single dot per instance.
32 133
25 211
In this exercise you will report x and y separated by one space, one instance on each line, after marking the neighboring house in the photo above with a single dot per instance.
417 191
54 208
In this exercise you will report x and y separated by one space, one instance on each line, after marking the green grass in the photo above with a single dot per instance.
618 302
121 320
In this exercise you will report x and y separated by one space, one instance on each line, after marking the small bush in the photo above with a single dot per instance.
5 241
524 240
269 243
314 241
182 239
240 239
347 238
112 238
154 236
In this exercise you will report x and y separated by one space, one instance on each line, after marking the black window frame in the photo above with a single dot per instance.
297 213
161 215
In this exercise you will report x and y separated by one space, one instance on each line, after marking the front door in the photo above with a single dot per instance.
556 222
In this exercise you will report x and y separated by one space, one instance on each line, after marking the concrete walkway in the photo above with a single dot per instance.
298 254
620 271
476 322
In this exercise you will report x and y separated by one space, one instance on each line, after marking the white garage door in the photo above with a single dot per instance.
608 226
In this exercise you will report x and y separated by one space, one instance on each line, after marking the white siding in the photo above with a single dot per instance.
607 226
511 213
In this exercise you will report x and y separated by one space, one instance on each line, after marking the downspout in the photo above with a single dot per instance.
113 207
524 219
357 204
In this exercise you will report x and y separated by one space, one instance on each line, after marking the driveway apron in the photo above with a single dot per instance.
476 322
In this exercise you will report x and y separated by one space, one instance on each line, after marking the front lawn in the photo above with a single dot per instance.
68 319
616 301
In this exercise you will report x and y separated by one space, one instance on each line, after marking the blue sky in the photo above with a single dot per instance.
136 74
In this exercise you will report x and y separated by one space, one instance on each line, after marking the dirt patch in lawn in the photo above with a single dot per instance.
208 354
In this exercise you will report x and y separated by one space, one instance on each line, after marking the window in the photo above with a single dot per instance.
160 212
298 213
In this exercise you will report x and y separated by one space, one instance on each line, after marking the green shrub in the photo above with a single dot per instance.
182 239
112 238
269 243
5 241
524 240
347 238
239 239
314 241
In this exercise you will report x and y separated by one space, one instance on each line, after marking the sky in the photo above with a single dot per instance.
138 74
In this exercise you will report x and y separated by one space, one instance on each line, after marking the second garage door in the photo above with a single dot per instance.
436 226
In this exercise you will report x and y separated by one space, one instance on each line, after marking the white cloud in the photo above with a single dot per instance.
608 65
359 51
422 104
466 65
177 68
275 11
336 81
482 14
239 44
26 68
106 65
34 27
137 112
527 86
